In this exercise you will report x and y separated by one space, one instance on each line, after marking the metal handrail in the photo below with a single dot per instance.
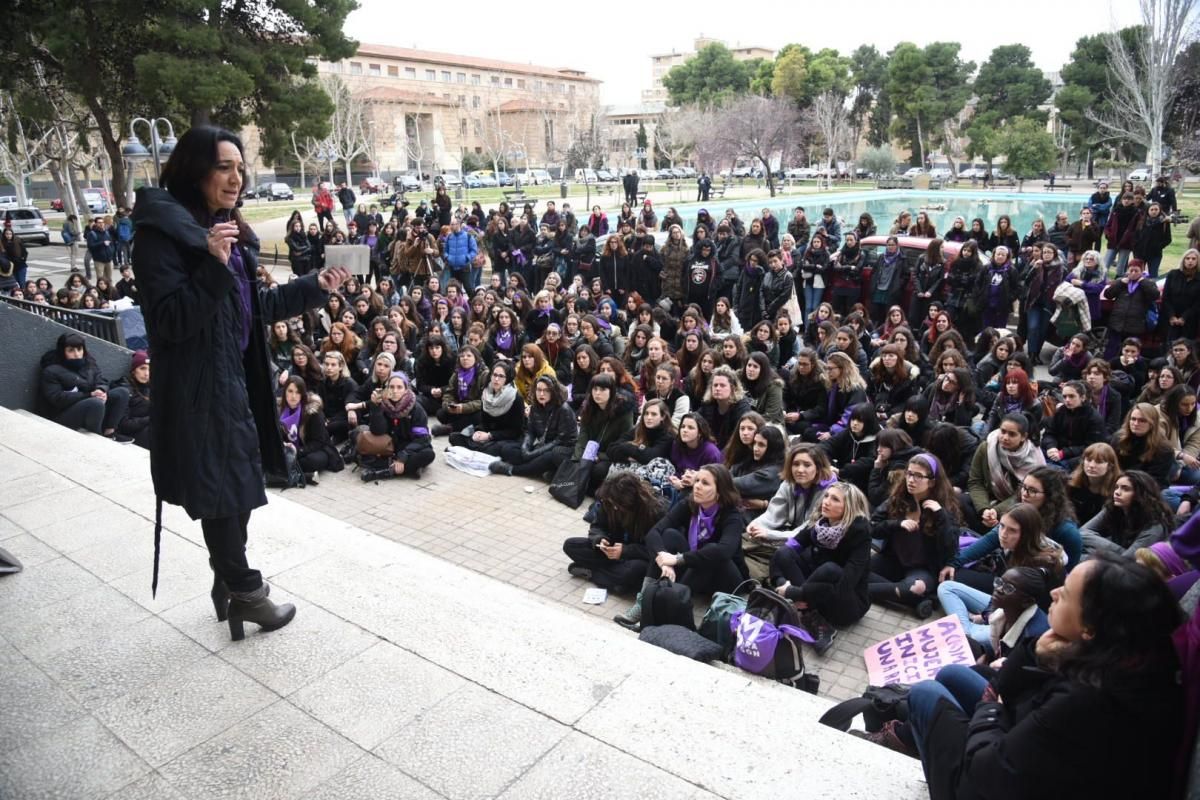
102 325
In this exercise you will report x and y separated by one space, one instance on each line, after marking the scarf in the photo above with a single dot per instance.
466 378
497 405
290 418
827 535
1004 465
1133 286
702 526
397 410
504 338
940 408
237 265
888 268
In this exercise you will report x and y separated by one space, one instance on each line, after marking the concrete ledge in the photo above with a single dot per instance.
397 661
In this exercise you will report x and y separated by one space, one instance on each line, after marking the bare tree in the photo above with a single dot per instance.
24 154
490 133
760 129
306 153
347 139
1141 78
696 127
672 135
832 118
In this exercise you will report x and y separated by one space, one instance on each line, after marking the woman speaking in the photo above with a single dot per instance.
212 425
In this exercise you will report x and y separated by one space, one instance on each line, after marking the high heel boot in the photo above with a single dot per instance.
220 594
256 607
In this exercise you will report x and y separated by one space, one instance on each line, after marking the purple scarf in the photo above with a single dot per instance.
237 265
702 526
504 338
291 424
466 377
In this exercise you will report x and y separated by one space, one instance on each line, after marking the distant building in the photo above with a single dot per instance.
425 109
661 64
618 133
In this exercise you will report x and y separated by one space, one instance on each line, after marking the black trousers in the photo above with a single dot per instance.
226 541
705 578
820 583
492 448
96 415
339 429
314 461
891 581
543 462
458 421
624 575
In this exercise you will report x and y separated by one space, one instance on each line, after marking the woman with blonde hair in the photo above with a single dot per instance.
1141 444
846 389
807 473
531 366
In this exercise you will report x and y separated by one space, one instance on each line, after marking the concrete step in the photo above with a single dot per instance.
397 665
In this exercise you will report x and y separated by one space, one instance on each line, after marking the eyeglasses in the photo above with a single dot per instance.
917 476
1003 587
1030 490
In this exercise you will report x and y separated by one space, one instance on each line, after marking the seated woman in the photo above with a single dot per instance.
136 423
607 418
846 389
1074 426
758 476
1018 542
1179 419
1070 360
550 434
587 364
1001 462
77 391
1017 396
337 390
396 413
806 474
1135 516
302 425
893 380
893 449
1009 612
652 438
763 387
665 387
951 398
804 389
919 527
433 371
693 448
1142 445
697 542
462 397
823 568
559 354
724 403
613 555
1105 398
1066 724
532 366
1092 483
852 451
501 415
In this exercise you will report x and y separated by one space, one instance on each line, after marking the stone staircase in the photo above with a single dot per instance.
402 676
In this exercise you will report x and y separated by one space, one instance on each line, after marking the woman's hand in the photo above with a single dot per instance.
909 525
1050 649
332 278
932 505
989 517
220 240
791 416
612 551
283 376
947 574
481 437
669 573
782 589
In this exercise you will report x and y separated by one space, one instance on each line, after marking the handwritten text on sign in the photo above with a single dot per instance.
917 655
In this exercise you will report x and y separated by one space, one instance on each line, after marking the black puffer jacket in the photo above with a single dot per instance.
213 423
547 428
62 386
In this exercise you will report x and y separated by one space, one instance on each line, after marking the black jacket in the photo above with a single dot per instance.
137 415
1055 738
63 387
410 433
335 395
1073 430
748 297
213 423
658 445
725 545
937 548
548 428
729 258
850 599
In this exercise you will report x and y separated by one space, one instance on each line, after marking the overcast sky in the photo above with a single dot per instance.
617 50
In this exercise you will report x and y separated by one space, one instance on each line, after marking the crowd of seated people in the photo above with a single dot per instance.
817 439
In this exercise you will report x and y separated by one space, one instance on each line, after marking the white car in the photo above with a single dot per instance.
941 172
973 172
97 200
9 201
801 173
27 224
534 177
913 172
1139 175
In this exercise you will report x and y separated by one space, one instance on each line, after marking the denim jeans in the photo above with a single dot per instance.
962 601
1039 321
1120 256
812 299
960 685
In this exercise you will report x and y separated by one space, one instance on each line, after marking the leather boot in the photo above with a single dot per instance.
220 594
632 619
377 474
256 607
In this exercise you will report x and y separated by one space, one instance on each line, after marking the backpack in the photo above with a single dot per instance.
715 625
666 602
878 705
768 636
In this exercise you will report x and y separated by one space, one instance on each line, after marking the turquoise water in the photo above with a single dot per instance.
884 206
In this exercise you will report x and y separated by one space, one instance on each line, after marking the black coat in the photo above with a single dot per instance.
213 424
853 554
63 387
1054 738
1072 431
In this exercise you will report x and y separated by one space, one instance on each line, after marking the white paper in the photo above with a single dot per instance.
595 596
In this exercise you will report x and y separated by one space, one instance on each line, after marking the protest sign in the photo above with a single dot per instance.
917 655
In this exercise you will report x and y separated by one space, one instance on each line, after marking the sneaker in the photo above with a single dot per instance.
925 609
887 737
822 632
500 468
312 478
121 438
440 430
579 571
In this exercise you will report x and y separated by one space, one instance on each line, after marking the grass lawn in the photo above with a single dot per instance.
1189 206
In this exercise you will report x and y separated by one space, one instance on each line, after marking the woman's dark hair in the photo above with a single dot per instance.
776 444
302 387
1056 507
630 505
1033 548
735 451
1130 614
506 366
865 413
192 161
728 497
557 397
601 380
1145 510
701 425
894 439
71 340
944 441
641 434
900 503
766 374
1171 400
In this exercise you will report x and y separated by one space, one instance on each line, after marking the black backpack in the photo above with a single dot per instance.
878 704
768 635
666 602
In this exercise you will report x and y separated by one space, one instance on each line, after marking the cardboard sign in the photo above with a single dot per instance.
919 654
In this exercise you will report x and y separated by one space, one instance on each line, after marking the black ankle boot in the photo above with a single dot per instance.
220 594
377 474
256 607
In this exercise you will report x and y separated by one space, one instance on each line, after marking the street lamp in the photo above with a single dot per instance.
134 151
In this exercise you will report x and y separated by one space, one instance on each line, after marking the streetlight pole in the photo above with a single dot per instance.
135 151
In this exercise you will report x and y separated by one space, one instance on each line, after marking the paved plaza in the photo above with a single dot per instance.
404 675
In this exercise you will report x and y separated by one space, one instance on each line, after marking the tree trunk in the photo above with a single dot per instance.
349 180
201 116
920 142
112 146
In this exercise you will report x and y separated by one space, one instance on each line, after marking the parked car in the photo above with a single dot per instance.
973 172
913 172
485 177
274 191
97 201
742 172
534 177
472 181
504 179
56 204
407 182
800 173
372 185
28 224
941 172
604 176
8 201
1140 174
447 179
688 172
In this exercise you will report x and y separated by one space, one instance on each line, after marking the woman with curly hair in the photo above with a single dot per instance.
952 398
531 366
613 555
1134 516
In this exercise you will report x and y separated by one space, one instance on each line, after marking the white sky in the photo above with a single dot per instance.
617 50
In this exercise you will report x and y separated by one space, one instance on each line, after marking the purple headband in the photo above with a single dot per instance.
1169 558
931 461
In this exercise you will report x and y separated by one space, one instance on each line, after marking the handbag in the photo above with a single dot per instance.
792 307
715 625
878 704
667 602
374 445
570 482
682 642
